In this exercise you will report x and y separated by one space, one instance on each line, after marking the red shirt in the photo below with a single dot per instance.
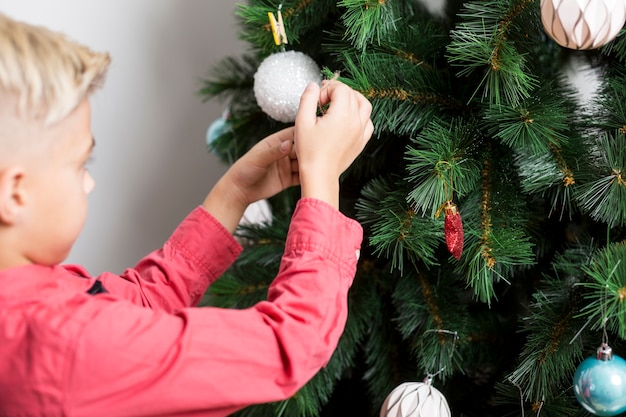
141 350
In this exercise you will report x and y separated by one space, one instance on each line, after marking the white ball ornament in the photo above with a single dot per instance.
583 24
280 80
415 399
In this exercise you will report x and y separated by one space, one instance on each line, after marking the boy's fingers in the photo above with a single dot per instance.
345 98
369 130
330 89
309 101
365 108
274 147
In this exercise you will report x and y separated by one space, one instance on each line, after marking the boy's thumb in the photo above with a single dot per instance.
309 101
275 147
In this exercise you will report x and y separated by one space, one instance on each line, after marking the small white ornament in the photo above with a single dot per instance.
280 80
583 24
415 399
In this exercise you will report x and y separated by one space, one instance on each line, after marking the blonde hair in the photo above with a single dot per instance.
49 74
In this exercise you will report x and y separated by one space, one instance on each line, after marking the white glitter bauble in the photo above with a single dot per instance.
415 399
583 24
280 80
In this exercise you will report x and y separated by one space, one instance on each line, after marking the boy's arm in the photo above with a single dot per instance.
177 275
202 247
212 362
313 153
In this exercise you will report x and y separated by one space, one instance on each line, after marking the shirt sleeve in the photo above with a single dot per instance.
177 275
211 361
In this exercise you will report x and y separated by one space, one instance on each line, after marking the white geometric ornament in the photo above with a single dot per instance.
583 24
415 399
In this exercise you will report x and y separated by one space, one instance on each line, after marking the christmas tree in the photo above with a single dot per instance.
491 197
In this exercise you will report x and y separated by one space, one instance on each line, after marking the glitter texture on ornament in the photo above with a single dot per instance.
280 80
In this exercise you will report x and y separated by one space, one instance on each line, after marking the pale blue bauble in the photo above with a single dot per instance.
600 385
217 129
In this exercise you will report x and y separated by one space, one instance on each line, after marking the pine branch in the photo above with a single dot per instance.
441 166
617 47
535 126
431 322
405 96
551 352
495 239
299 17
508 397
369 292
230 78
397 232
607 290
609 106
367 22
603 197
485 40
550 179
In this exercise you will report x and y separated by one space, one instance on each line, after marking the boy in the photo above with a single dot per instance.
134 345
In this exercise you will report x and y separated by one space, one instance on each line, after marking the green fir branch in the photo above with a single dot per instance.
605 198
534 126
369 21
609 105
554 331
617 47
368 205
495 238
440 166
405 42
382 372
230 78
405 96
490 255
431 321
511 403
556 174
606 296
541 174
300 17
397 233
243 133
551 352
485 40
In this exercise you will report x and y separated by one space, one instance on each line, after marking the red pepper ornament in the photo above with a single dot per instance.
453 229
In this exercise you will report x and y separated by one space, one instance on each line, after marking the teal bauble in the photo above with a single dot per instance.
600 383
216 129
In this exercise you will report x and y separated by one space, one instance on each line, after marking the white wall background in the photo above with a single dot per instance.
150 163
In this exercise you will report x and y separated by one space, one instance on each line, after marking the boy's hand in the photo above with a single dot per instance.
267 168
326 146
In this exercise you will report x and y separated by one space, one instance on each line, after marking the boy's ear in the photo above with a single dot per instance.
11 194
